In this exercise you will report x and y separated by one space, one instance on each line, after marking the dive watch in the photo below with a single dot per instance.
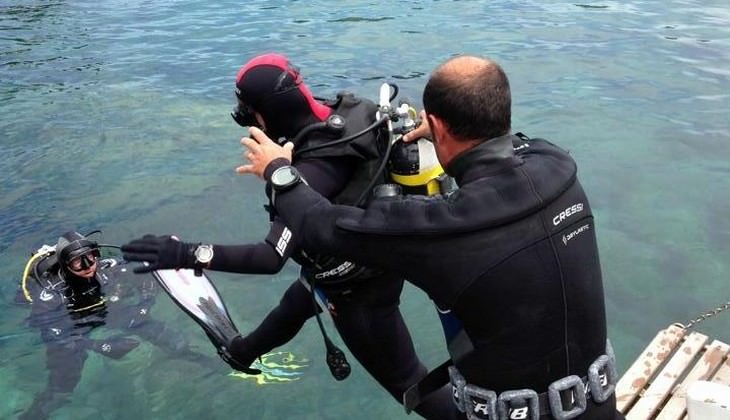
204 254
283 179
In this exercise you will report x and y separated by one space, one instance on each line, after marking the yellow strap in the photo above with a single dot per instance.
99 303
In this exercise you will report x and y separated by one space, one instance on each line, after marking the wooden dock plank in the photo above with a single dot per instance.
669 376
723 374
645 366
676 407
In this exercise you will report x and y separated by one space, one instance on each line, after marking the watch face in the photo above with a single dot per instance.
283 176
204 253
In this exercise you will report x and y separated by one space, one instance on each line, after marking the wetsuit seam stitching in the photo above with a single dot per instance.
557 262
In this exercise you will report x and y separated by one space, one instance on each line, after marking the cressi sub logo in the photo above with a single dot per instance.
283 241
574 209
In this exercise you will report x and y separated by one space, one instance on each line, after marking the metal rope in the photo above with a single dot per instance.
705 316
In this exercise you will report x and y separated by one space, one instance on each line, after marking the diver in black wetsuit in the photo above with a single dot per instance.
511 255
73 291
363 302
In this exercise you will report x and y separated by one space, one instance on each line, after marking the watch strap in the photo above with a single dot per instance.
199 265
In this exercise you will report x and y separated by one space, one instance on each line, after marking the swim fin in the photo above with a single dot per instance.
198 298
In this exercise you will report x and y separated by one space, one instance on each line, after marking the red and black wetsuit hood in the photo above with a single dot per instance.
270 85
273 87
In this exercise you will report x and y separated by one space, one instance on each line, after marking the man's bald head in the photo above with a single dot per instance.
472 95
464 66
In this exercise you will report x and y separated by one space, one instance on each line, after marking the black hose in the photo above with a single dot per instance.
308 129
336 360
344 139
378 172
395 91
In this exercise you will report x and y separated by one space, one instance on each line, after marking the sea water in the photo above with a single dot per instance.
114 115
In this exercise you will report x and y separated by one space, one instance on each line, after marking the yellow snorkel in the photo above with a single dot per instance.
43 252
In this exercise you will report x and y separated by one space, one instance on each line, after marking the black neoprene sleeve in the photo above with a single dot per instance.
326 176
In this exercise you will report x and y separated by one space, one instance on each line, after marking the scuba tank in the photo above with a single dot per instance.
413 167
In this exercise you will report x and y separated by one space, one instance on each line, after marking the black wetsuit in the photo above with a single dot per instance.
512 254
363 302
66 309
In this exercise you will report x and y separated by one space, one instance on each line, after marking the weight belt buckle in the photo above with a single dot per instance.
481 403
578 402
524 403
602 387
457 387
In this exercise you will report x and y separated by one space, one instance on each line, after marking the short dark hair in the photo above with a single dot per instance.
475 104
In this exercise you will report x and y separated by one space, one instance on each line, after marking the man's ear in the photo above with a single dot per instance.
438 127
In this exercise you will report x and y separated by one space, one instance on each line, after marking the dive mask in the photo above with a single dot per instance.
243 114
78 254
84 261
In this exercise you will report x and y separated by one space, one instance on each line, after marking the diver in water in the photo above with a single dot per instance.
73 291
338 145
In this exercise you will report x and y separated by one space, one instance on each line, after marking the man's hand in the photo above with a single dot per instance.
423 130
261 151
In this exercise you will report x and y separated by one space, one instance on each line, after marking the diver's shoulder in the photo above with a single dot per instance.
346 99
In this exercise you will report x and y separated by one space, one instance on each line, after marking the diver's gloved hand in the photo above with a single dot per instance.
161 252
115 347
238 357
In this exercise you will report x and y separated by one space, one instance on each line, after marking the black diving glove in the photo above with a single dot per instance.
160 252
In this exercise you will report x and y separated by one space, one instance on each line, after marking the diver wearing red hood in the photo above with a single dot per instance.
363 302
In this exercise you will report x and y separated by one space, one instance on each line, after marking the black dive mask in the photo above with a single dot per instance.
83 262
79 254
243 114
